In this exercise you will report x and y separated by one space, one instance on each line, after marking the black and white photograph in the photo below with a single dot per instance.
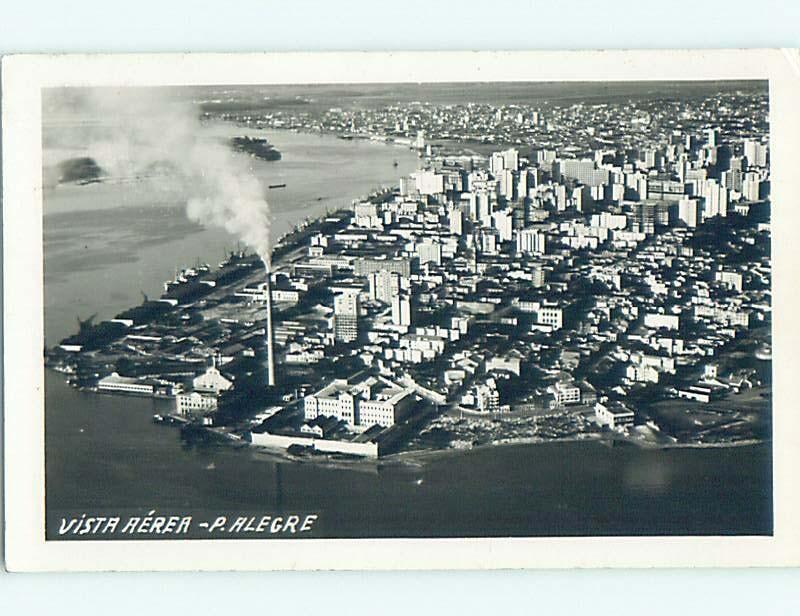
406 310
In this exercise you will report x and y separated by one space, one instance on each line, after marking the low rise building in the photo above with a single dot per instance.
361 401
203 398
194 402
661 321
124 384
566 392
615 415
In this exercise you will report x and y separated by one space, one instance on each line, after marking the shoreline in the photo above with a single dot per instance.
419 457
600 439
376 139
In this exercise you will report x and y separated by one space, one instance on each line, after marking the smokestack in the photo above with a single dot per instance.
270 336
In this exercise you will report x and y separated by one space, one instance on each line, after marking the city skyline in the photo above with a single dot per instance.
593 270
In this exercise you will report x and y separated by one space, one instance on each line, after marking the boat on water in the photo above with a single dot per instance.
186 275
272 186
169 420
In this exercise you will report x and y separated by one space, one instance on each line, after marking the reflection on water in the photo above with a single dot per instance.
653 476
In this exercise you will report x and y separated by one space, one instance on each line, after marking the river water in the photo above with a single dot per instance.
105 243
104 455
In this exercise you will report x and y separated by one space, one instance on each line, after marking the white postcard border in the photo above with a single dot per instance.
22 80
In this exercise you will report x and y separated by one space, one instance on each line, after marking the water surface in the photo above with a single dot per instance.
105 244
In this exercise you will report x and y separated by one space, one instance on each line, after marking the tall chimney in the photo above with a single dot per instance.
270 336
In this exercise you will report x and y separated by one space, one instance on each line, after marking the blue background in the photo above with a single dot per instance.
152 25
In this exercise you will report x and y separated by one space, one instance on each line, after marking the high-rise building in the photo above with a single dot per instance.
408 185
545 156
527 178
608 220
505 183
732 179
681 167
696 175
716 199
383 286
455 219
345 316
531 241
688 211
751 185
429 252
652 158
366 266
560 196
511 159
428 182
483 207
582 198
665 190
583 170
401 310
507 160
495 163
489 241
487 398
661 215
644 218
738 163
502 220
756 153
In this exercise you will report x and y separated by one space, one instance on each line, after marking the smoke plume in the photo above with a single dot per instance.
135 132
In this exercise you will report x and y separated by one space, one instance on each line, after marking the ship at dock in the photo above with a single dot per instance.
186 276
193 283
189 285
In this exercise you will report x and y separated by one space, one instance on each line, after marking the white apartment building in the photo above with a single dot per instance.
614 415
566 393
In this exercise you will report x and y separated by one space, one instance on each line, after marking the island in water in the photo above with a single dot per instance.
81 170
256 147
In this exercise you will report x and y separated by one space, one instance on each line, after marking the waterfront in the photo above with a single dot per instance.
105 454
106 243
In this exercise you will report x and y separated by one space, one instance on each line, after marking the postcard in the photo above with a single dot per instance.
400 310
